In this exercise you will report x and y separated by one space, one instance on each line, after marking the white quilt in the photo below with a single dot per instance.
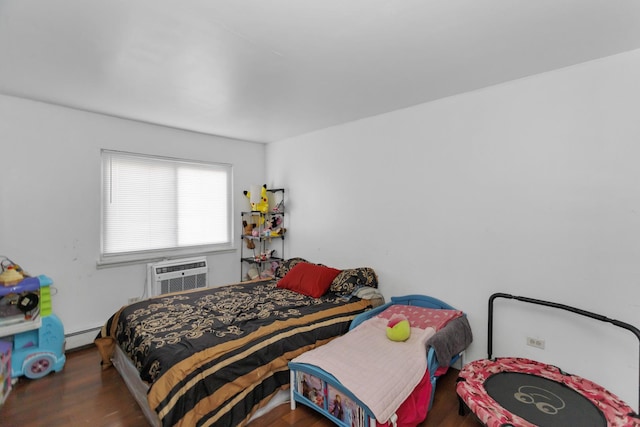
380 372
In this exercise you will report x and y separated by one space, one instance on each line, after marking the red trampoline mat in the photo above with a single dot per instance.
546 397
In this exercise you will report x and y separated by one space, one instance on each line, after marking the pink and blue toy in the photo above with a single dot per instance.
38 342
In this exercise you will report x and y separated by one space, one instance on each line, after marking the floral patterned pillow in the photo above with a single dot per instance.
286 265
348 280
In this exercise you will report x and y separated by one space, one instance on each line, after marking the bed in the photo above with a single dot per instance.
512 391
215 356
336 379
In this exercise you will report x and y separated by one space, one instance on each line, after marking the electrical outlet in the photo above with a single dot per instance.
535 342
133 299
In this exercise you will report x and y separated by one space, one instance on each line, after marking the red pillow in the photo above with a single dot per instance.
309 279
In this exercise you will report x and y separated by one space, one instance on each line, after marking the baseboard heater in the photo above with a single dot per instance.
81 339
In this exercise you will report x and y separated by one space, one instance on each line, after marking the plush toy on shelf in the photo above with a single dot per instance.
279 207
259 203
253 273
270 271
276 221
248 195
263 204
248 229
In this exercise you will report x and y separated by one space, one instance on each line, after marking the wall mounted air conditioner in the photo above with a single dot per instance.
177 275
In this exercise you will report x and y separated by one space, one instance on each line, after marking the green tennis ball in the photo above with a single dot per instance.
398 329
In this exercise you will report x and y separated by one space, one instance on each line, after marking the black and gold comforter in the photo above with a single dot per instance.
214 356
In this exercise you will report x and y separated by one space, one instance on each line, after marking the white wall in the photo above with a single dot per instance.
530 187
50 199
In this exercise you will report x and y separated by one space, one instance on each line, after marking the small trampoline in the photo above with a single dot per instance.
519 392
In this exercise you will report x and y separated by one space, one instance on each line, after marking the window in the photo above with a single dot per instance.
155 206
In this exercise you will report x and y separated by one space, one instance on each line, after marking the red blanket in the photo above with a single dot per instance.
414 409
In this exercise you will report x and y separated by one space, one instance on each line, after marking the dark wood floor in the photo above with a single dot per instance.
82 394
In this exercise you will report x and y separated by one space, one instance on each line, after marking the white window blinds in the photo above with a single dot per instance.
158 204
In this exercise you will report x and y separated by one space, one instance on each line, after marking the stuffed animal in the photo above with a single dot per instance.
277 232
398 328
276 220
248 230
270 271
263 204
253 273
248 195
279 207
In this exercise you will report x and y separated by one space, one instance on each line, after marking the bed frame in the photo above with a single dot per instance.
362 416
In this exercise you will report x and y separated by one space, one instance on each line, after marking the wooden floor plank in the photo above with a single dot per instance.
82 394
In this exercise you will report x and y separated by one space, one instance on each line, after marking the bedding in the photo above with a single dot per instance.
309 279
214 356
352 279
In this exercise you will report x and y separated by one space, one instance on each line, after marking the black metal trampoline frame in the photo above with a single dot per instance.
575 310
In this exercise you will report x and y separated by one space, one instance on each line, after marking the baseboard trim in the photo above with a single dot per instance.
81 338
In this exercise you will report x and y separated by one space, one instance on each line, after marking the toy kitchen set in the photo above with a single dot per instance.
31 336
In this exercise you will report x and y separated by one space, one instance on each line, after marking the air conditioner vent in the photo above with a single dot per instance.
177 275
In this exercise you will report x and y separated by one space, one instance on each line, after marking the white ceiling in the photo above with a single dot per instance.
265 70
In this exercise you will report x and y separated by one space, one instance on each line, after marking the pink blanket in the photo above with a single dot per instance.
380 372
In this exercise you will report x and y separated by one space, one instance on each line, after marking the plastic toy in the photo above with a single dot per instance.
39 350
10 276
5 370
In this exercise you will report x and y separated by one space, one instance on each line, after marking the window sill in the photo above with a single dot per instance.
135 259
